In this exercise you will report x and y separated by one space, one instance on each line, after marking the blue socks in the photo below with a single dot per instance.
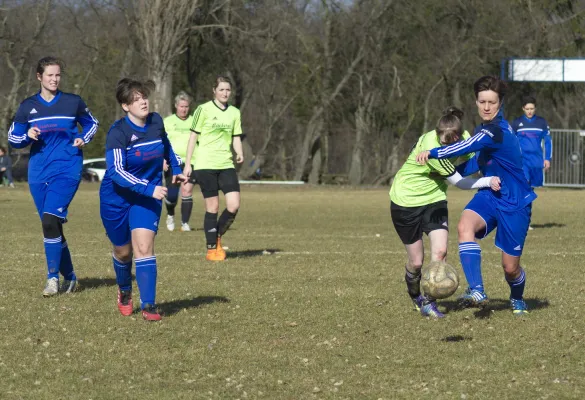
517 285
66 266
470 255
123 273
146 280
53 250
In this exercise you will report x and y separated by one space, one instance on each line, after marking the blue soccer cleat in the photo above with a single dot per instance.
473 298
418 302
519 307
429 309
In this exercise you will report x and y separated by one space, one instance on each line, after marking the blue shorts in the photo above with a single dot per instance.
55 196
535 176
120 221
512 226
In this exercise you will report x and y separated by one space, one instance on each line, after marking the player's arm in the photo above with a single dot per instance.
116 165
474 183
547 144
89 124
18 133
237 139
469 167
485 138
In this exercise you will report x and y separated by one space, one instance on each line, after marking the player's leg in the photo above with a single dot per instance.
115 221
143 224
38 192
209 184
187 202
171 199
536 180
510 238
407 222
230 186
477 221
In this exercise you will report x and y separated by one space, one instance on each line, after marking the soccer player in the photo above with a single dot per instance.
48 120
532 130
178 127
419 203
216 128
497 152
131 193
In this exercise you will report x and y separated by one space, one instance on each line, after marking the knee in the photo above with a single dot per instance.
512 270
439 254
51 226
143 249
123 253
233 208
212 206
465 230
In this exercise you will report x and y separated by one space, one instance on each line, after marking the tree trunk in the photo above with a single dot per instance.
162 97
355 169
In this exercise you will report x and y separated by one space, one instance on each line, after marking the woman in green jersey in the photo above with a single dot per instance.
216 128
419 203
178 127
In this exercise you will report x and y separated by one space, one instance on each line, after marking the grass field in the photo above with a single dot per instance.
310 304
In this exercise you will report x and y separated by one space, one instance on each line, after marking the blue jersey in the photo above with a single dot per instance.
134 158
497 153
531 132
53 153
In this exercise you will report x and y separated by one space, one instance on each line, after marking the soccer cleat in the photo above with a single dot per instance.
518 307
185 227
418 301
429 309
125 302
170 223
473 298
213 255
150 313
68 286
530 228
219 249
51 288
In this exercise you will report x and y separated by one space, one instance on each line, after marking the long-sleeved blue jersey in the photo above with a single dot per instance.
531 132
53 153
134 158
497 153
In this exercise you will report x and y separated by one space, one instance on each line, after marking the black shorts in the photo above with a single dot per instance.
212 180
411 222
169 176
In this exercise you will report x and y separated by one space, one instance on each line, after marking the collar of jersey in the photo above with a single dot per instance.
136 127
48 103
222 109
529 119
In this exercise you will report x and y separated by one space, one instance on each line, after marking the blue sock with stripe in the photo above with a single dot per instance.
123 273
66 265
470 256
517 285
146 280
53 249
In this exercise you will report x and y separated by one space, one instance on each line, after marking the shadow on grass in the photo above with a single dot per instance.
252 253
94 283
456 338
175 306
547 225
494 305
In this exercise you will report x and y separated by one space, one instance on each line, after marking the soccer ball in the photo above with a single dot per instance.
439 280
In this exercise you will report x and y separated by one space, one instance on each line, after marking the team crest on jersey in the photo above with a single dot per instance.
33 111
137 154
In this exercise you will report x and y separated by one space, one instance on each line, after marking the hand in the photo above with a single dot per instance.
79 143
3 169
165 166
495 183
179 178
160 192
239 158
34 133
423 157
546 165
187 170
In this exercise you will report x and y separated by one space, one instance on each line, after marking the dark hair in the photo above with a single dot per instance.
490 82
221 78
528 100
449 127
46 61
127 88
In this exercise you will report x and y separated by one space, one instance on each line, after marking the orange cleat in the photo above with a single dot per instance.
150 313
125 302
219 249
214 255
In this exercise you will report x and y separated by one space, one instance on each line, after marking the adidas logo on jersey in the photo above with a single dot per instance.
33 111
156 223
215 118
521 124
60 209
518 247
133 138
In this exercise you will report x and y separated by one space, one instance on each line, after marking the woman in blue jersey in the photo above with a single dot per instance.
131 193
48 120
497 152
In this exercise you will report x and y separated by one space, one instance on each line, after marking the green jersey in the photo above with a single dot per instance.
215 129
413 185
179 131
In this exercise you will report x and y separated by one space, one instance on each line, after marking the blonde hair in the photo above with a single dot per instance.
449 128
182 95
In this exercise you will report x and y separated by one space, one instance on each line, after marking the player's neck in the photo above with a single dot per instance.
141 122
182 118
48 95
221 105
